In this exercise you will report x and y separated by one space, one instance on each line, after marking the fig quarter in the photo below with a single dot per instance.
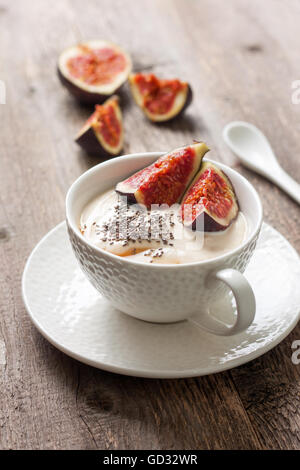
102 134
160 99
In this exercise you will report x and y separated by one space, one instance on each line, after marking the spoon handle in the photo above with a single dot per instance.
287 183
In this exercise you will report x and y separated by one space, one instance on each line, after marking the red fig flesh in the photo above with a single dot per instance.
102 134
161 100
165 181
210 196
93 71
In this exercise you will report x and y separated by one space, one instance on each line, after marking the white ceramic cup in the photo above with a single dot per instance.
165 293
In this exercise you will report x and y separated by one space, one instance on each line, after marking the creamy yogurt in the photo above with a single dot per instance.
153 237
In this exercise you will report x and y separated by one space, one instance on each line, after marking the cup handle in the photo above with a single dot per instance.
245 303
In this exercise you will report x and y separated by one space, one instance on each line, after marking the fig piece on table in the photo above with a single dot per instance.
94 70
160 99
210 202
165 181
102 134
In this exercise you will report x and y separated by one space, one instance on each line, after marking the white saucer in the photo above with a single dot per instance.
71 314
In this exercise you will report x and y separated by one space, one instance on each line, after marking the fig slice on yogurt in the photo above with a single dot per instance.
102 134
160 99
210 202
165 181
94 70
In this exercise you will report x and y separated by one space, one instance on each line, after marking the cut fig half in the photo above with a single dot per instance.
161 100
94 70
102 134
210 203
165 181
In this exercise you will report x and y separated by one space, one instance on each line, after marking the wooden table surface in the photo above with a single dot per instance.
241 58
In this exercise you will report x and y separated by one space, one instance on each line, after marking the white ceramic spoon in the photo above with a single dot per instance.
255 152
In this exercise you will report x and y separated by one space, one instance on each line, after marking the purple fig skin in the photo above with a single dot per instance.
188 101
90 143
130 197
132 191
84 96
209 225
